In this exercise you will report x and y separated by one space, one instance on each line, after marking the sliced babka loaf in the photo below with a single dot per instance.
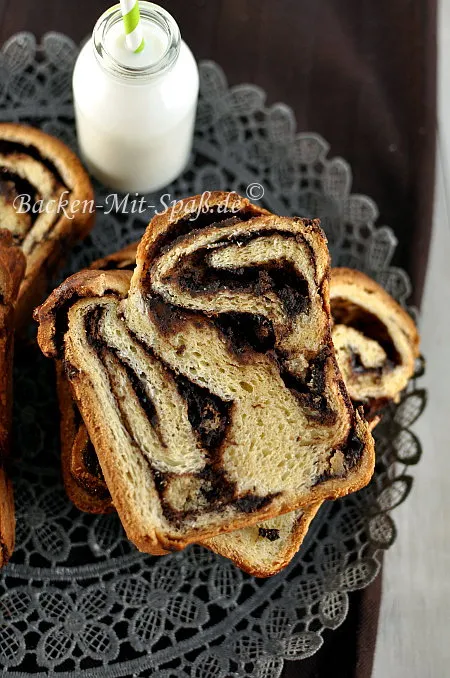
261 552
12 268
375 339
211 393
46 202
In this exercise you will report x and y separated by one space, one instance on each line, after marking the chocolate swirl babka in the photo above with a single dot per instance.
211 391
12 268
262 549
46 202
375 339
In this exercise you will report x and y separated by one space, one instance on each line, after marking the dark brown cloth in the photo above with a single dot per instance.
363 74
347 652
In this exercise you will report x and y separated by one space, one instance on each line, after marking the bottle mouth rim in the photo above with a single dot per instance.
149 12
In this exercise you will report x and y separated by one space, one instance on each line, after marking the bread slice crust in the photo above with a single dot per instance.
85 486
265 549
12 268
72 431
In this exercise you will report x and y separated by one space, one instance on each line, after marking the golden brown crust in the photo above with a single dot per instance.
7 518
12 267
82 284
238 546
123 259
88 496
348 276
50 251
69 427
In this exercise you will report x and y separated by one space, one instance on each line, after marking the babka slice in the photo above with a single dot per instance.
81 471
46 202
211 393
12 268
263 549
375 339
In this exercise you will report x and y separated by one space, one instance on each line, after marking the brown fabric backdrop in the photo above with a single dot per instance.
363 74
359 72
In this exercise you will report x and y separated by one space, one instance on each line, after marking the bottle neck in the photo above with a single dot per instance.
149 64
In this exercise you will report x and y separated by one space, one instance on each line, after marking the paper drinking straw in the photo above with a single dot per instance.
132 22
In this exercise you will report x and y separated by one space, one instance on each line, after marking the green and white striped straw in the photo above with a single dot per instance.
132 22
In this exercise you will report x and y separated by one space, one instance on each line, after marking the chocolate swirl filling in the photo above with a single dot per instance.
309 389
272 534
209 417
8 148
352 450
347 313
13 184
278 276
95 485
242 331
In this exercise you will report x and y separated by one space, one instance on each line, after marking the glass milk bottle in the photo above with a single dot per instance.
135 112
